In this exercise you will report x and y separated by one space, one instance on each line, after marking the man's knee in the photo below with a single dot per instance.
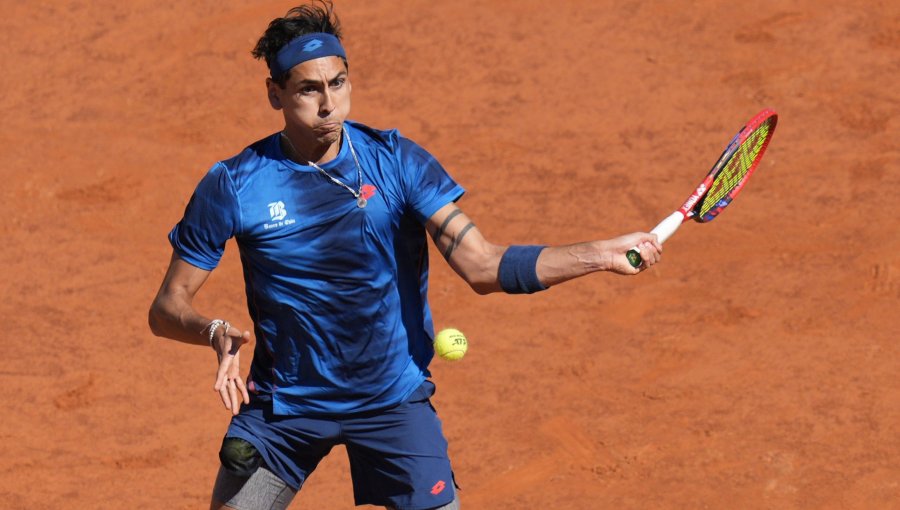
239 457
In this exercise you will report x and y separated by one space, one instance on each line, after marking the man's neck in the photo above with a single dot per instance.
305 153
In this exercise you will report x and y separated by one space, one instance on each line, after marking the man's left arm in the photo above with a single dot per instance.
488 267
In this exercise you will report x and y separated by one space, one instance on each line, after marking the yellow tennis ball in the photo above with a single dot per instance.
451 344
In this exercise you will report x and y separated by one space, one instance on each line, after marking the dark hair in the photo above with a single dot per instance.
318 16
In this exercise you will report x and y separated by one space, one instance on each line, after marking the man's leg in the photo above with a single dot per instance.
453 505
263 490
398 457
243 483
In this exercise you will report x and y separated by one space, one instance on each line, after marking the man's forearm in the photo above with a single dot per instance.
557 264
178 320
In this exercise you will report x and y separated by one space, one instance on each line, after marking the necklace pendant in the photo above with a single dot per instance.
361 202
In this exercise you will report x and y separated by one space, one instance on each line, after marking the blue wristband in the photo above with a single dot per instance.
518 270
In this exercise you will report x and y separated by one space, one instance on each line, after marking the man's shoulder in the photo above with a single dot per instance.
388 139
391 141
252 159
256 154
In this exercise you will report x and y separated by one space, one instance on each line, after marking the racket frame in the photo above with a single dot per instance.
691 207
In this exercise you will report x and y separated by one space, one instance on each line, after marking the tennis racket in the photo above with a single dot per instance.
726 179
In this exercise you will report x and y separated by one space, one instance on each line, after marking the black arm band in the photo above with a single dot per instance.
518 270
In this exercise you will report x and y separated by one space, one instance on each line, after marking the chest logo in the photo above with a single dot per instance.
277 213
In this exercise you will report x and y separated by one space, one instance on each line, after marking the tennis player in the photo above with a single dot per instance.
330 217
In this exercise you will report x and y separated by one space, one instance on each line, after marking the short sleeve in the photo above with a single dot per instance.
428 187
211 218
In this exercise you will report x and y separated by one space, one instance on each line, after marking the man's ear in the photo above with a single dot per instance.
271 91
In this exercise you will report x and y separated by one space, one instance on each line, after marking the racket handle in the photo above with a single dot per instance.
663 231
634 257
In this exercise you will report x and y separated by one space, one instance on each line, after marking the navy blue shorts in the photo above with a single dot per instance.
398 456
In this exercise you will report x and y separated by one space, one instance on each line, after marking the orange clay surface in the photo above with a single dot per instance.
756 367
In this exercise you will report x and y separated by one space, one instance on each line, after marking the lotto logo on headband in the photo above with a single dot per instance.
312 45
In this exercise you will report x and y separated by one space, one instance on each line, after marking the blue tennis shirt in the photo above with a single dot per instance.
337 293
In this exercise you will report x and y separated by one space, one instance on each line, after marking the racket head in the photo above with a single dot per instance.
735 166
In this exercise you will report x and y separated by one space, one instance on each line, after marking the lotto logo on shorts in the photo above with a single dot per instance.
438 487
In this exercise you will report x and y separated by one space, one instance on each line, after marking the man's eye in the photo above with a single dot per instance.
338 83
307 90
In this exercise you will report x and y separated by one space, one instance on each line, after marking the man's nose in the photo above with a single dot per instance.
326 106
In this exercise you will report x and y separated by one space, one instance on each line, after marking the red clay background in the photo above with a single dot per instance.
755 368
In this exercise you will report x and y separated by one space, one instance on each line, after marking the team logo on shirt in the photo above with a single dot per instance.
277 213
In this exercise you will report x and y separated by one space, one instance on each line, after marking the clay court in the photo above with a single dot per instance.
756 367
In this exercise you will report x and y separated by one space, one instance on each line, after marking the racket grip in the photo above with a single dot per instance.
663 231
634 257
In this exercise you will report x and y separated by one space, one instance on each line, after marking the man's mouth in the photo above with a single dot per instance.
328 126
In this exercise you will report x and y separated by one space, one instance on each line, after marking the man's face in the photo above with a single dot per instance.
315 100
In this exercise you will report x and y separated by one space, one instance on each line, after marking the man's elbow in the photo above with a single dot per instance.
484 288
154 319
483 281
481 275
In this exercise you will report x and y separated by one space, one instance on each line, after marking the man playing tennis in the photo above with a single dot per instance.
330 217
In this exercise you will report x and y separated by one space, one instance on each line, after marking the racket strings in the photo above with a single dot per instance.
737 168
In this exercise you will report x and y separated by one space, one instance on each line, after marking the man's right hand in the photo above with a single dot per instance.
229 384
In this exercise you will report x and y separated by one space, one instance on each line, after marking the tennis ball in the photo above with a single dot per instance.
451 344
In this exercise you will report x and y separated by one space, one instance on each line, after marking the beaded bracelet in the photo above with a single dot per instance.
213 326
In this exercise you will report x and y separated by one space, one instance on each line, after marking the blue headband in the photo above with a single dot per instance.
306 47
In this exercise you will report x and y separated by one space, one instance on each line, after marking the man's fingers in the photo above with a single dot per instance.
245 395
650 253
233 397
223 394
222 373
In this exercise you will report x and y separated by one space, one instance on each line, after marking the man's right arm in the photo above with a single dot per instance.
172 315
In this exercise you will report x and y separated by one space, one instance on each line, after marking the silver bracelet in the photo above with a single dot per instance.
213 326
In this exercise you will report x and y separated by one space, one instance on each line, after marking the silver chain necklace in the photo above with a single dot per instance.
360 200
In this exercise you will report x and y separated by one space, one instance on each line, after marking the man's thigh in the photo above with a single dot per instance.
398 458
262 490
